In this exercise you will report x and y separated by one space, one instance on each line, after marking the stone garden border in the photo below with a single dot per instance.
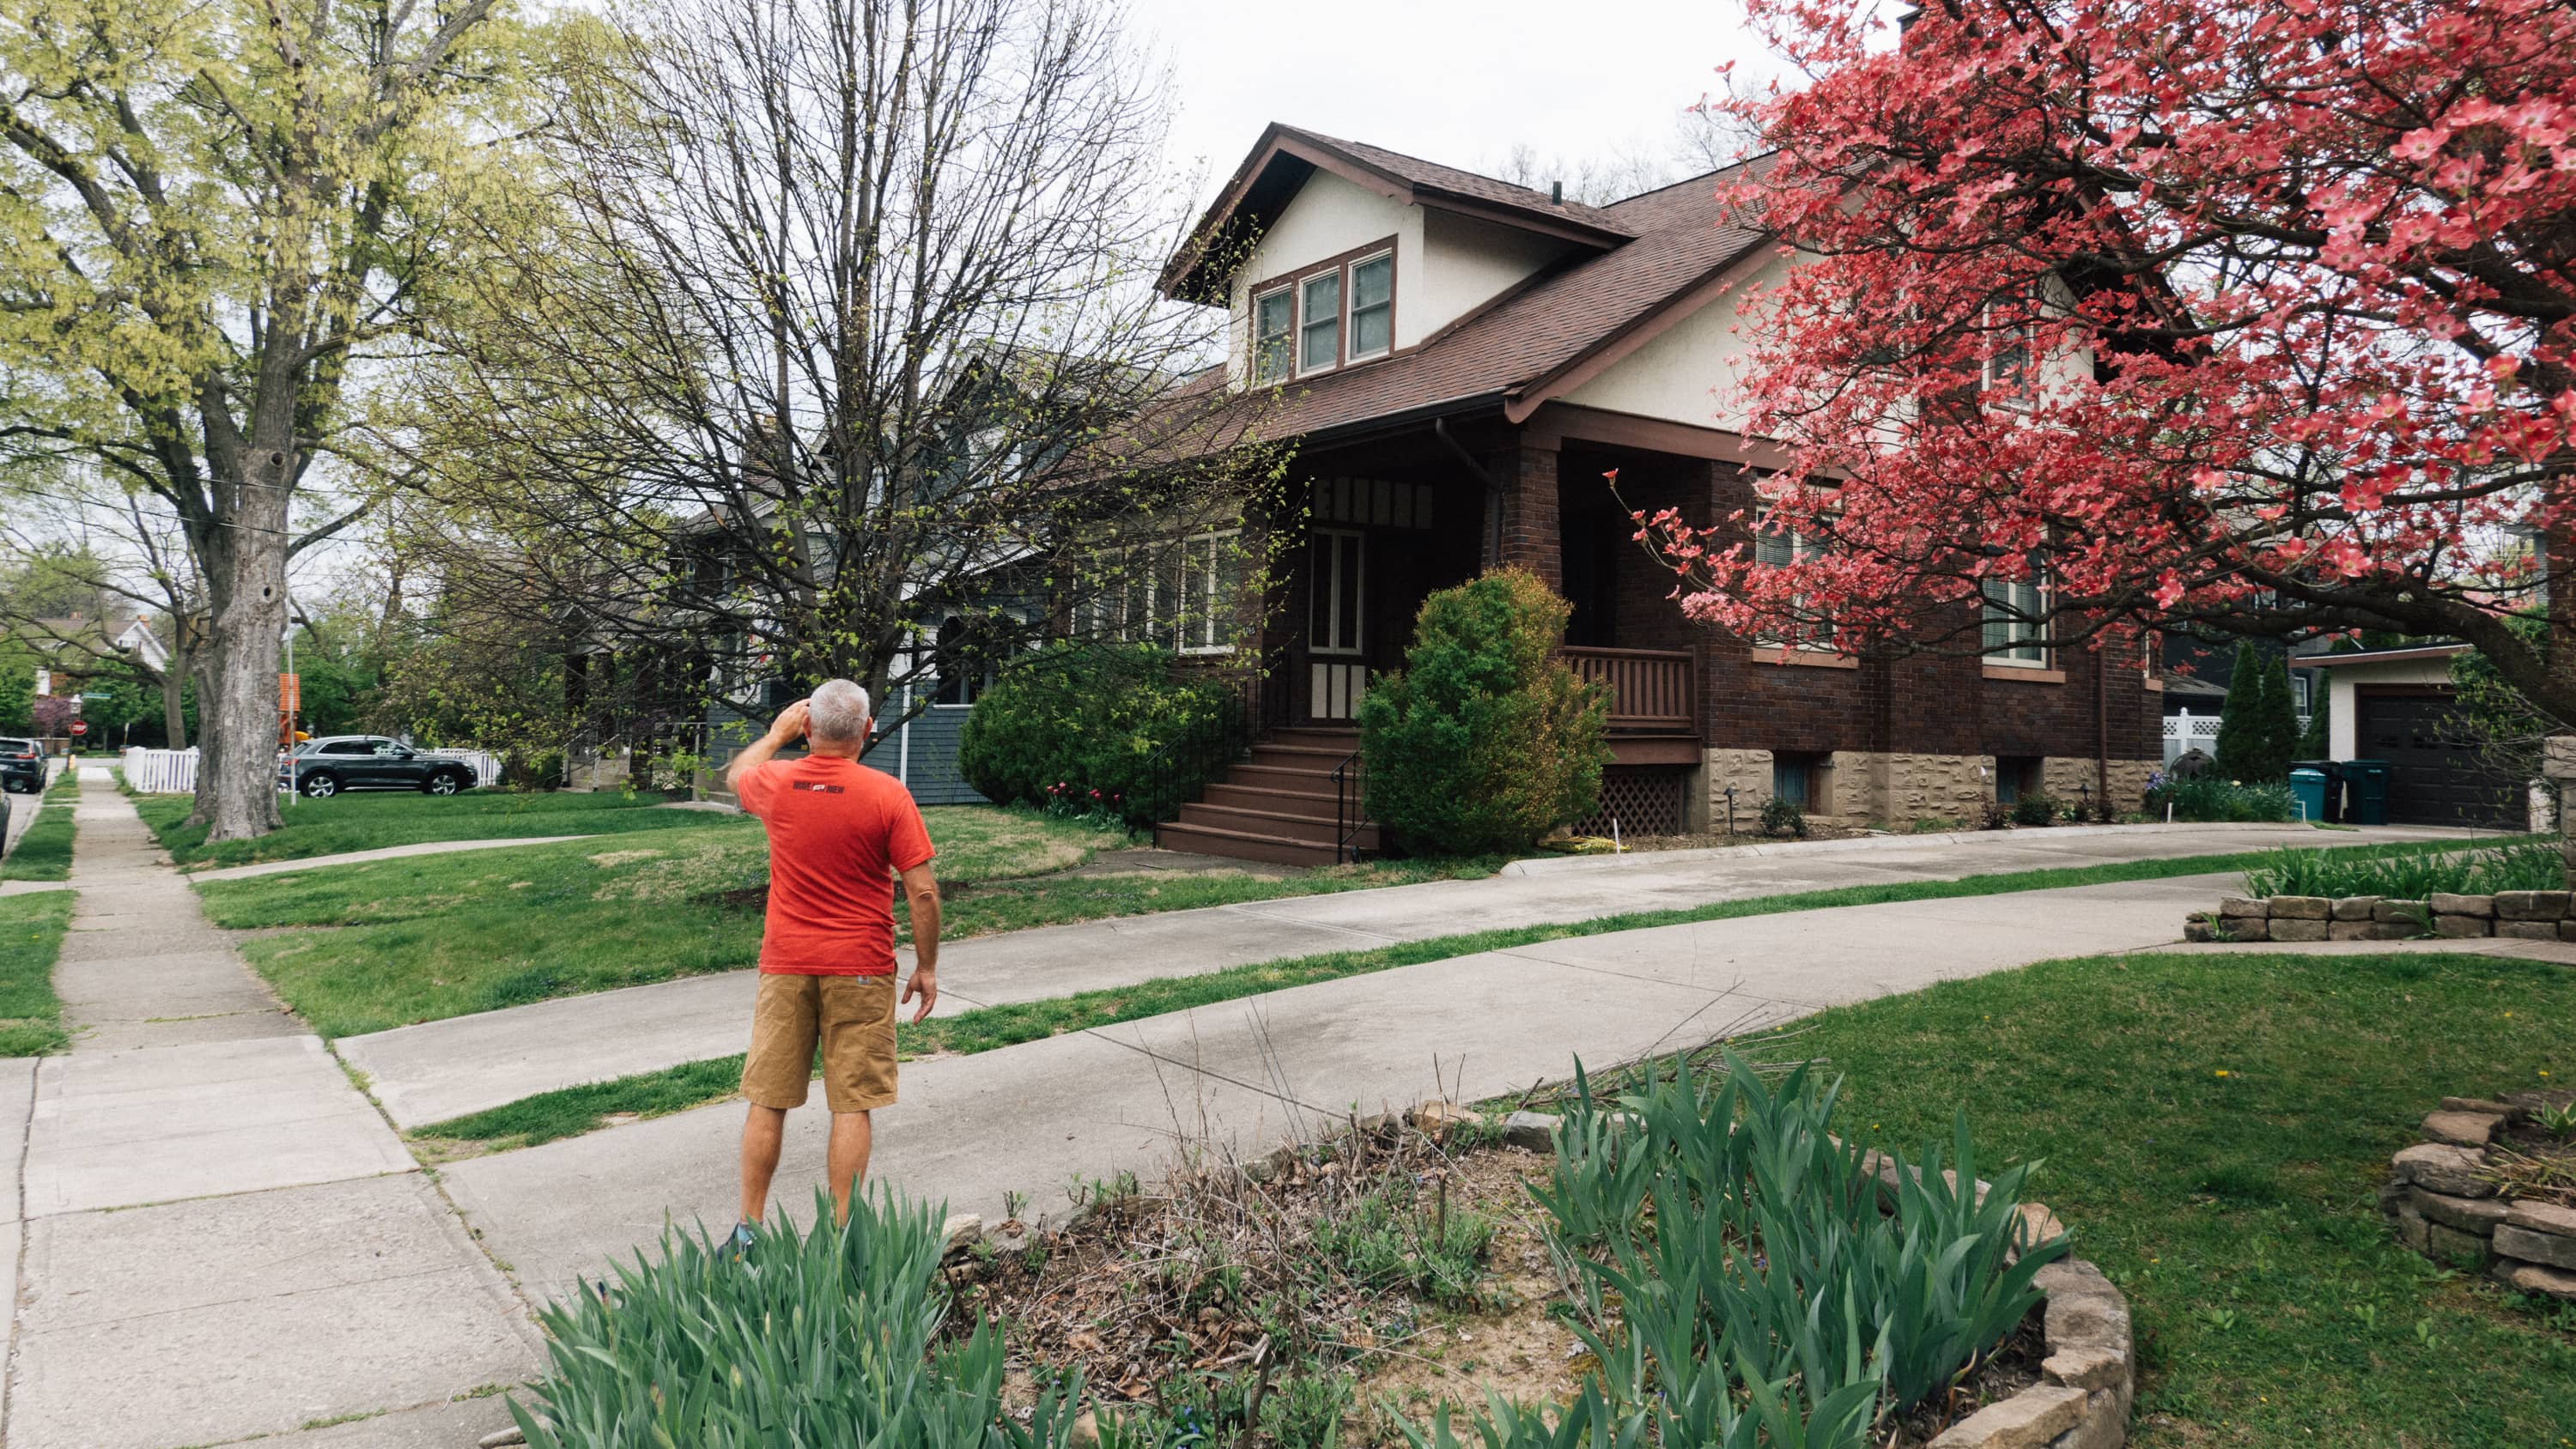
2522 915
2443 1205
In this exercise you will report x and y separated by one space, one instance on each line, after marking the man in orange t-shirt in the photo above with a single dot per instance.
839 833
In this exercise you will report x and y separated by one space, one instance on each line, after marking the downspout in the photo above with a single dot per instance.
2102 727
903 742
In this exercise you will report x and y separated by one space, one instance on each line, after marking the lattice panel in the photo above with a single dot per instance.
1644 801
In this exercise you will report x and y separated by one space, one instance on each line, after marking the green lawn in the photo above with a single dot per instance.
374 820
31 935
2214 1129
439 936
575 1110
44 852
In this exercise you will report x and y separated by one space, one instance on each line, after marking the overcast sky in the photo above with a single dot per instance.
1446 80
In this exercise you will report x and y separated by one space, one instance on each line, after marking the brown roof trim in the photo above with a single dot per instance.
1608 351
1556 423
1180 277
2378 656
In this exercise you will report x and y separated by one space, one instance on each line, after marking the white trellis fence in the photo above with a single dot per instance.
2185 730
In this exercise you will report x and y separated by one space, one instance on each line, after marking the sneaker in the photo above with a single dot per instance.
738 1246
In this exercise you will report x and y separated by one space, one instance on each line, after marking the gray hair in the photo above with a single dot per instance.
837 712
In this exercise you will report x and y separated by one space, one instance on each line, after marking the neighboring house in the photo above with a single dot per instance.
2395 705
1461 361
77 653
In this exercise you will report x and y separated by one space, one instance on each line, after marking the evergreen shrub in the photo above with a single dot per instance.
1486 740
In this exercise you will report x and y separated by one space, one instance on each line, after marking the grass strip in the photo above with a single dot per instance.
44 852
2213 1130
374 820
31 936
575 1110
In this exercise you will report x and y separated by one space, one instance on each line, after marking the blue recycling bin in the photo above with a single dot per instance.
2308 787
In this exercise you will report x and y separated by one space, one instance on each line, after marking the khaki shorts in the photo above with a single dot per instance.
853 1018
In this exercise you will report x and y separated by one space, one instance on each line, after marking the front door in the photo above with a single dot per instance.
1336 623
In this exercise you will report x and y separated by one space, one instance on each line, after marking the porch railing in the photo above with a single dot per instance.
1652 691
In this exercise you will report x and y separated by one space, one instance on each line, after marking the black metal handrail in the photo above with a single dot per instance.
1181 772
1350 807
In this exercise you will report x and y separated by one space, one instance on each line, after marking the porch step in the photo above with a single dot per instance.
1281 805
1323 829
1266 800
1242 845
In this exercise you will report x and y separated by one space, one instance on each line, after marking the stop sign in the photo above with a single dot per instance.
80 726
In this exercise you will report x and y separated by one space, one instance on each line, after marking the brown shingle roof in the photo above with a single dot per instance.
1432 176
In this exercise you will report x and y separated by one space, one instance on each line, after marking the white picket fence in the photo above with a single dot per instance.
161 772
174 772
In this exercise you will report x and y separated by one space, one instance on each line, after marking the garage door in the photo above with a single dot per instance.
2439 777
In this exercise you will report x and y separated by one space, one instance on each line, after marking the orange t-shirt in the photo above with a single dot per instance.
838 832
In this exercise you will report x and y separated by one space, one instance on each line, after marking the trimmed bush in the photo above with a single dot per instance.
2258 726
1486 740
2035 809
1783 817
1128 722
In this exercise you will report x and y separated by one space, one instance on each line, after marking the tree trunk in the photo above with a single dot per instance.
240 728
208 671
174 695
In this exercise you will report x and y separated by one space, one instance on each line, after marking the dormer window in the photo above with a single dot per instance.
1319 340
1327 316
1274 316
1372 306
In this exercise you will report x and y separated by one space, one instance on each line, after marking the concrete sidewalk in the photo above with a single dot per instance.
443 1069
218 1235
1030 1118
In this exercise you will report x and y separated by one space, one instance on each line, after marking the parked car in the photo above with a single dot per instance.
325 767
22 766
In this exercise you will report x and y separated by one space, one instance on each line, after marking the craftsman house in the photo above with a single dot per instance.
1461 361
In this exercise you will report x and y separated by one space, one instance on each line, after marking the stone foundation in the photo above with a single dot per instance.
1870 787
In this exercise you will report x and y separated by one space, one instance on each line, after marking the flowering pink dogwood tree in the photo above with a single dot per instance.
2121 313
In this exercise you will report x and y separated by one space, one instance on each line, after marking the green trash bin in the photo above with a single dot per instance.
2308 788
2333 771
2369 790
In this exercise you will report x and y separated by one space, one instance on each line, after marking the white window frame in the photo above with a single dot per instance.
1996 384
1306 319
1288 343
2037 605
1351 310
1215 630
1801 547
1358 647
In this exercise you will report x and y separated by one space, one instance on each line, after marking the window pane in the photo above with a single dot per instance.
1372 307
1789 781
1321 346
1197 607
1270 327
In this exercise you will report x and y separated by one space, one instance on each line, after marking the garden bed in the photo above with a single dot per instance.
1702 1263
2492 1188
2511 890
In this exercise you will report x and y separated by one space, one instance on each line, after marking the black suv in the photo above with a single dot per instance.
22 766
325 767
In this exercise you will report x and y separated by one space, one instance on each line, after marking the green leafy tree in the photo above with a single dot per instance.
17 685
1486 740
209 209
